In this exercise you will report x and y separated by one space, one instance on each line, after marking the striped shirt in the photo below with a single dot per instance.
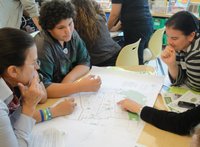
189 66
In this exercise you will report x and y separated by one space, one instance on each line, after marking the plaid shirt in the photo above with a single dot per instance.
56 61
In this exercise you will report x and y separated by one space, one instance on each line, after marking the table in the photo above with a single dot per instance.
150 136
154 137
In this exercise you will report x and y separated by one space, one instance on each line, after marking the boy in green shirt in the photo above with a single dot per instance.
63 55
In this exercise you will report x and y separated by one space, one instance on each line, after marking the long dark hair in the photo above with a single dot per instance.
86 21
14 44
185 22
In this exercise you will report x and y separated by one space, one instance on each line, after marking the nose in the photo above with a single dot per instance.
169 41
67 30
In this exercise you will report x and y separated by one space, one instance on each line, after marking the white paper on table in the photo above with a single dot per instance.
98 120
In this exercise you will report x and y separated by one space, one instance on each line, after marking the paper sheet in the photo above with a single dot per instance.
97 120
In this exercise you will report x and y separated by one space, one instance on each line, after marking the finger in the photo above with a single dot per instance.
90 76
71 99
93 77
37 99
170 48
99 78
74 104
120 102
34 82
36 75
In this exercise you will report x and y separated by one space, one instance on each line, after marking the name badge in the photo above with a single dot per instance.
65 51
183 64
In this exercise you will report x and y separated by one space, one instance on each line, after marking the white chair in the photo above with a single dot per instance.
154 48
128 55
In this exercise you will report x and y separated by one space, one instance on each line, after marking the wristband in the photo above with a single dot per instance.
45 114
49 115
42 115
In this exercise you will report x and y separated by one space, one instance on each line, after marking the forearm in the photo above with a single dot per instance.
114 15
22 128
7 133
57 90
76 73
179 123
53 111
112 21
21 134
117 27
173 70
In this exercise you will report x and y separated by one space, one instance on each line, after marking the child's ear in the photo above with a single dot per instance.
13 71
192 36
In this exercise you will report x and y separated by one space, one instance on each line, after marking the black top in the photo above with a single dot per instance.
134 11
179 123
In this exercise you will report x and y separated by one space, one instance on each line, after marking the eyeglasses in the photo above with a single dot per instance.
36 63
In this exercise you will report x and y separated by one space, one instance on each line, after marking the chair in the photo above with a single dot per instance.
128 55
154 48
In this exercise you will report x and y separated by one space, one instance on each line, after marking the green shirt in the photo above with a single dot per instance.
56 61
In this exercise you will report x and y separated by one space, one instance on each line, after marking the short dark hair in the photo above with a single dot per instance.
184 21
51 13
14 44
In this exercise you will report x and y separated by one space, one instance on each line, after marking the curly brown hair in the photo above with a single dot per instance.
86 21
52 12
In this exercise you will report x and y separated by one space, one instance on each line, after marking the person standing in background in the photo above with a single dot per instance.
90 23
11 12
136 22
